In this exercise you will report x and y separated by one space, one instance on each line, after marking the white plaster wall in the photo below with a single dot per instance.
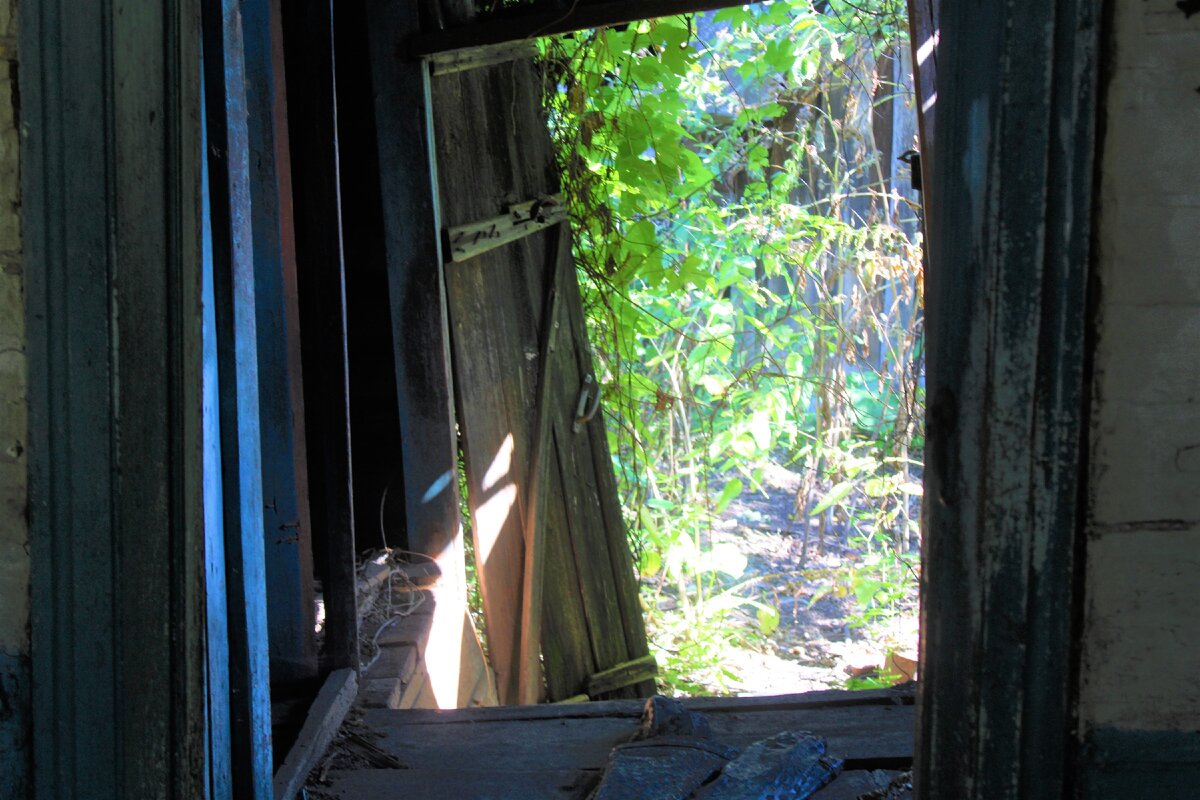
1141 665
14 527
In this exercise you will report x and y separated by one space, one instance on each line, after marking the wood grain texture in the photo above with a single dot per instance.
622 675
237 382
459 784
924 23
494 150
833 698
529 667
879 735
110 183
287 527
324 718
308 46
1007 288
420 332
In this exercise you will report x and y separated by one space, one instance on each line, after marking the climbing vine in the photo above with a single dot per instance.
751 271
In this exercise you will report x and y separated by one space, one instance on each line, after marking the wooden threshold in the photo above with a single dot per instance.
558 752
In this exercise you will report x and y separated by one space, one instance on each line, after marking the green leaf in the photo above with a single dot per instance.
835 495
768 619
731 491
650 563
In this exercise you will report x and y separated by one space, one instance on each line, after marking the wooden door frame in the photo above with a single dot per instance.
1010 204
1008 367
110 188
1008 291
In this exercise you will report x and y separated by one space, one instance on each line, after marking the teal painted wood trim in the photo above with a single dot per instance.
219 755
15 727
1155 765
110 180
229 160
287 530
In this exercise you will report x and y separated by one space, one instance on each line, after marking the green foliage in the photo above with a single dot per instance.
753 288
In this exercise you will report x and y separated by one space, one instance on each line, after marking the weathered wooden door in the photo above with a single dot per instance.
537 461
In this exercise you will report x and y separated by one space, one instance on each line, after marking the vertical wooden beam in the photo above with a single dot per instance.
1007 292
529 664
376 453
236 326
418 295
220 747
286 523
924 17
110 180
312 114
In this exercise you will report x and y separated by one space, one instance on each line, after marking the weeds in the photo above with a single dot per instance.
751 271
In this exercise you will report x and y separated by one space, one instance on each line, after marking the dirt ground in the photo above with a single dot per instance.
815 646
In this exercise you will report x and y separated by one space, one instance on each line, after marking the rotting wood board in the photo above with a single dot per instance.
863 735
324 718
493 150
559 751
464 242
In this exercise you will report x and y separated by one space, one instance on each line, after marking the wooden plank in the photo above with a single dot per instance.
554 20
476 58
529 680
320 267
424 386
622 675
924 26
459 784
324 718
381 692
229 169
464 242
1007 299
524 745
604 487
867 736
853 784
213 519
597 589
494 308
566 646
483 116
395 661
286 525
833 698
108 203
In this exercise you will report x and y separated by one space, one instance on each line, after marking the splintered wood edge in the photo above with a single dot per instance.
325 716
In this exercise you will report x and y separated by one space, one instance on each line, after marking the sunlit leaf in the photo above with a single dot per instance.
837 494
730 493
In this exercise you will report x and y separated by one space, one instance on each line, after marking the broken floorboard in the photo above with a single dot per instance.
558 752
